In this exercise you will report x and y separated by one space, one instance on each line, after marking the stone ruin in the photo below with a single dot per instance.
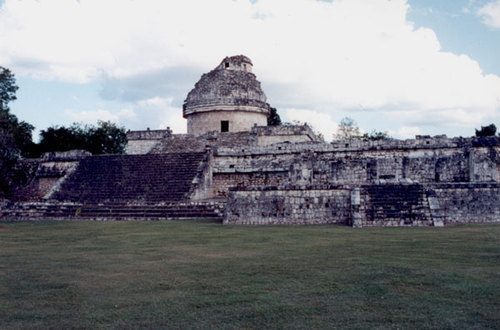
227 99
262 175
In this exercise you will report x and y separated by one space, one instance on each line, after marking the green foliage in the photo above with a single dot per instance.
274 118
198 274
105 138
8 88
15 136
15 142
375 135
61 139
489 130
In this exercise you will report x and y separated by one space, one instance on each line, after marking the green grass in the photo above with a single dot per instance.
204 275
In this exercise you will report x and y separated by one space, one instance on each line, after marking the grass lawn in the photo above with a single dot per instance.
199 274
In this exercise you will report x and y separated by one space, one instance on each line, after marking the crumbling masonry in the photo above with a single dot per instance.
238 169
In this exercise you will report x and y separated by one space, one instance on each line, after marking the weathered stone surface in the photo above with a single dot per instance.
139 178
141 142
395 205
64 155
420 182
270 175
375 205
36 211
288 205
257 136
468 202
228 93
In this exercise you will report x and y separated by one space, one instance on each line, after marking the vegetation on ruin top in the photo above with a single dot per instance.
204 275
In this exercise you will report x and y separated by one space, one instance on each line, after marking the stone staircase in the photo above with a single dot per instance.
140 179
124 187
396 205
34 211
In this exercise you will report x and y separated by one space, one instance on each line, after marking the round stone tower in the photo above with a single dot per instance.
227 99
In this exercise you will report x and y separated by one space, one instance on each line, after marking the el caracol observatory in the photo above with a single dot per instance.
234 167
226 99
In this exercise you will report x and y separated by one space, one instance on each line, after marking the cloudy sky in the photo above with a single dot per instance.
403 66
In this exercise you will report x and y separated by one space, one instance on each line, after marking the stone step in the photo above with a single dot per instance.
123 178
39 211
396 203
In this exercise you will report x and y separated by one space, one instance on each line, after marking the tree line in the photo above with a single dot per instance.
16 136
16 140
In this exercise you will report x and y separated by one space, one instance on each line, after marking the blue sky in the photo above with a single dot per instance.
460 30
406 67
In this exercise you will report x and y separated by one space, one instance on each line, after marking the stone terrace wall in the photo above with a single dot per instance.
278 134
259 135
192 143
365 162
141 142
468 203
179 143
290 205
380 205
359 145
222 182
46 171
370 205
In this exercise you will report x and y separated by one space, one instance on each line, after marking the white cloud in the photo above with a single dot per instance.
320 122
406 132
167 115
93 116
328 57
490 14
140 115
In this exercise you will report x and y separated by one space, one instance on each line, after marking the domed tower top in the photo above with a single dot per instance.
228 98
238 63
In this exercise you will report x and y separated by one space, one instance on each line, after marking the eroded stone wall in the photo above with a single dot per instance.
377 205
469 203
394 205
141 142
222 182
450 160
288 206
423 182
140 147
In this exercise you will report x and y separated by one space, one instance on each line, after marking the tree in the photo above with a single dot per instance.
374 135
347 130
8 88
105 138
15 136
489 130
61 139
273 119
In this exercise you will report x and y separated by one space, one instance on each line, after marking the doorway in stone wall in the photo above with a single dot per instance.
224 126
